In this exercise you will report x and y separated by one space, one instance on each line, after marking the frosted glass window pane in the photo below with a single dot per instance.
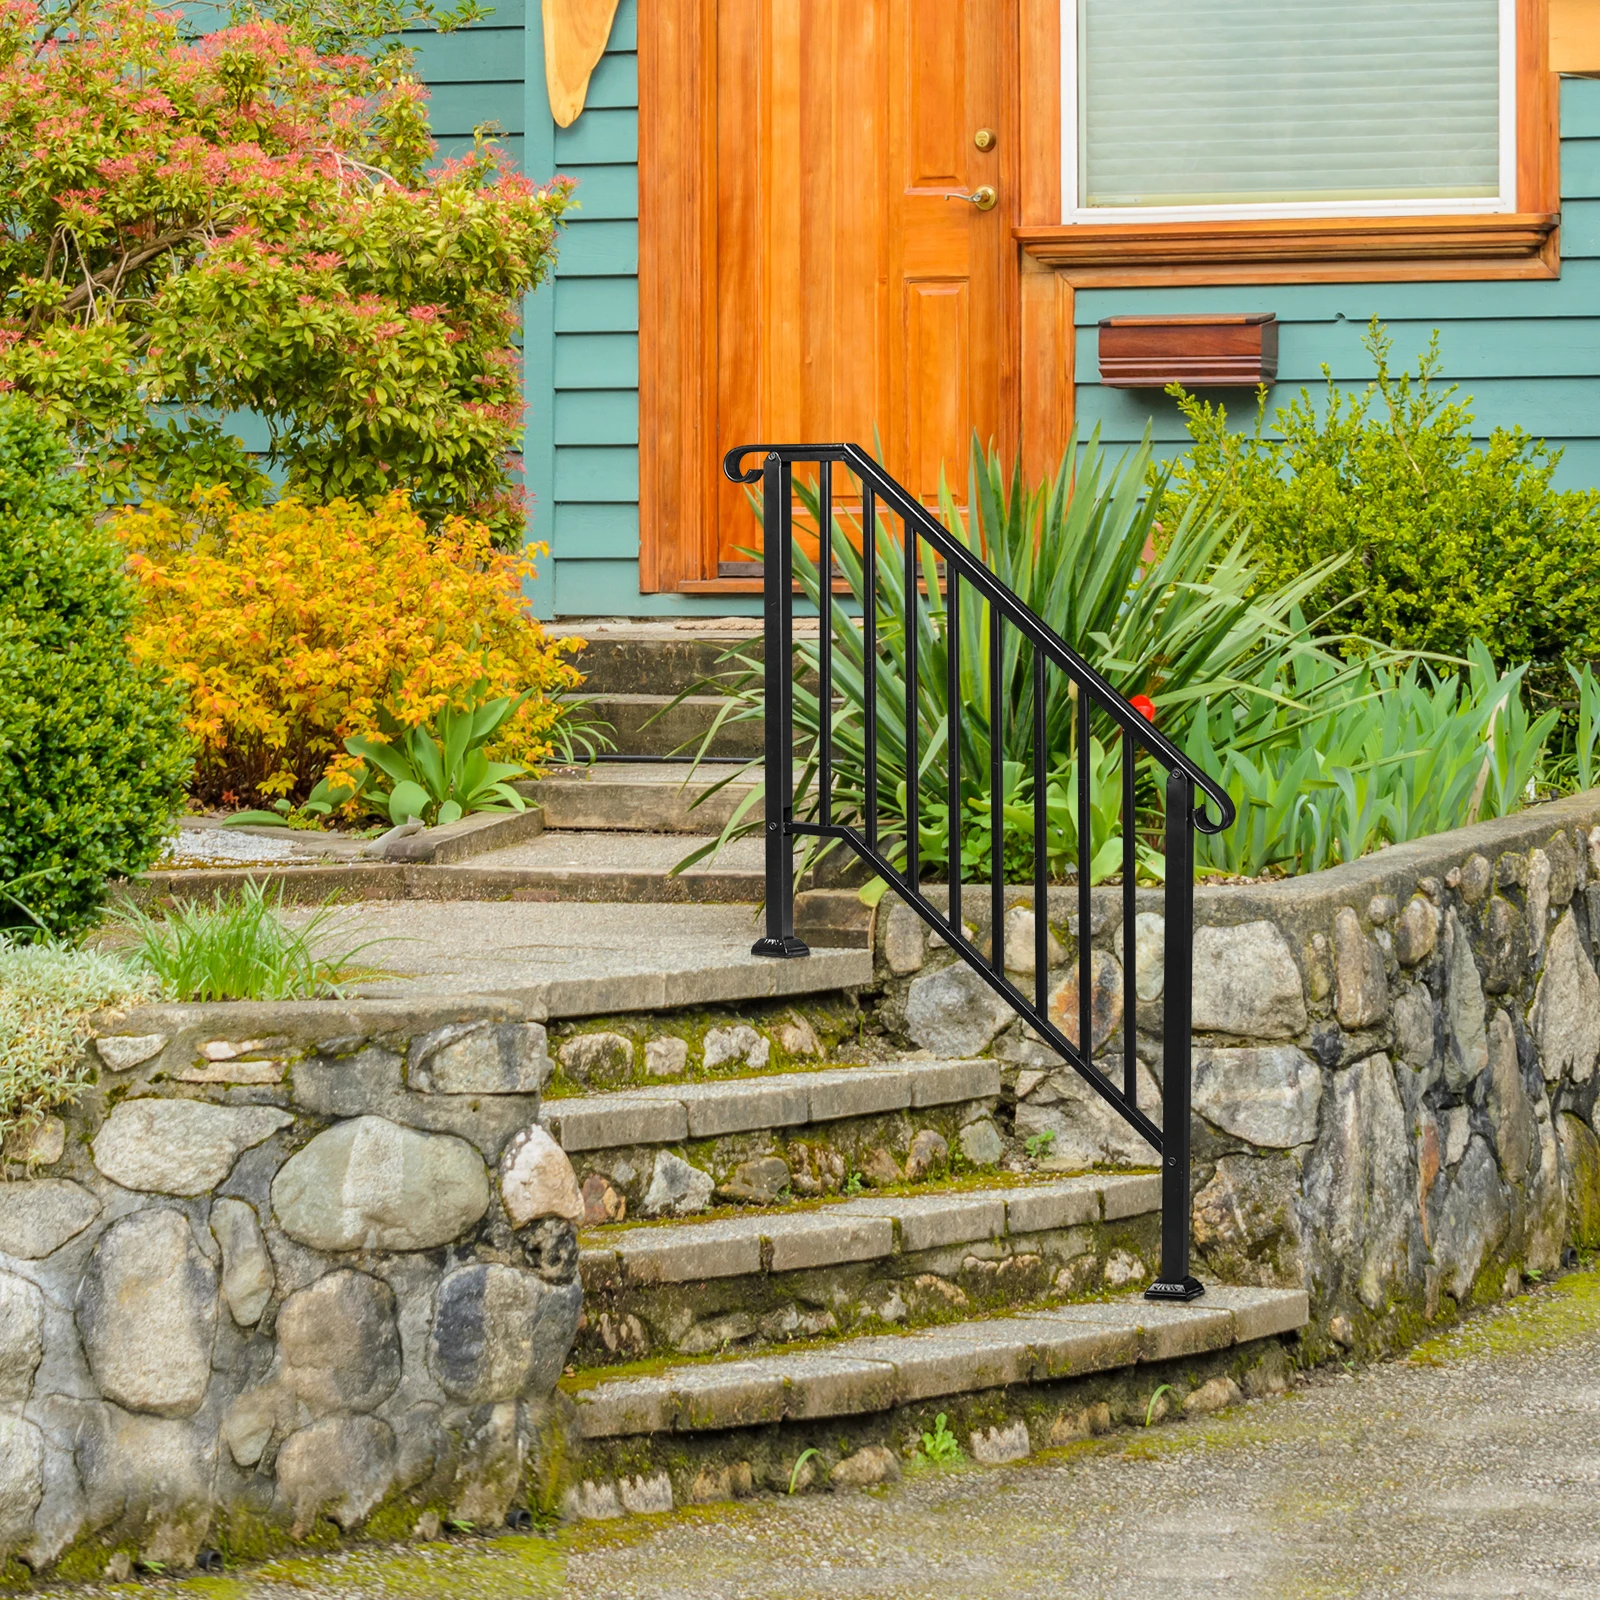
1230 102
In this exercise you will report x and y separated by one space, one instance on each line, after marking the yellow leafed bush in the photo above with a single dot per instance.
291 625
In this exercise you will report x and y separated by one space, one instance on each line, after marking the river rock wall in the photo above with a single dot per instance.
1394 1064
283 1270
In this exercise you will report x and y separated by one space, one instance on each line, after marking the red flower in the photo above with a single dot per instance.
1144 705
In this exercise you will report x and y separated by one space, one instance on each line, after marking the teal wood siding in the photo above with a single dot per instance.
582 350
1526 354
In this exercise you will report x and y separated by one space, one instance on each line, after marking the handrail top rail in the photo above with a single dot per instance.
1025 620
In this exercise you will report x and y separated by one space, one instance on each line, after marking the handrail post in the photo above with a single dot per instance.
777 582
1177 1008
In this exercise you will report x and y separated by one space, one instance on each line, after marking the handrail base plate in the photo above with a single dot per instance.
1184 1289
784 949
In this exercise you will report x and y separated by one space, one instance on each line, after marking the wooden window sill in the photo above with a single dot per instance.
1330 249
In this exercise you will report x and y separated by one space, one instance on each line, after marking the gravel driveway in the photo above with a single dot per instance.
1470 1469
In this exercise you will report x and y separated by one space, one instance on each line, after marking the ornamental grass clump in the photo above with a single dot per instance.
294 628
48 993
93 750
242 947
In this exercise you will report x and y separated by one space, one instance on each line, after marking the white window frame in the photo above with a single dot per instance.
1073 212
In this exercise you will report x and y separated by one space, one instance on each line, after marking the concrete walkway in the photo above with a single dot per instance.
1472 1469
580 959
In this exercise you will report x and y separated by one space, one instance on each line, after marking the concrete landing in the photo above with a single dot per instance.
576 959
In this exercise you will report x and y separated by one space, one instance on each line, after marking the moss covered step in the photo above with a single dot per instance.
709 1430
674 1114
889 1261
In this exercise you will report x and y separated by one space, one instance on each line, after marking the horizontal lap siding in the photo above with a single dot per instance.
1524 353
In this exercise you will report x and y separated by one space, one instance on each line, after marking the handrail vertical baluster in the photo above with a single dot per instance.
1085 862
1041 864
869 652
913 776
1130 976
777 561
825 642
997 799
952 735
1177 1006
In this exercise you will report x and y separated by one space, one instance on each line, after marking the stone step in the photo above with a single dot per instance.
888 1261
669 1150
679 1113
660 658
660 725
1002 1387
644 797
617 866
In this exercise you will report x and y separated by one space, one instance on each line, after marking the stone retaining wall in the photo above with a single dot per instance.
1395 1087
284 1270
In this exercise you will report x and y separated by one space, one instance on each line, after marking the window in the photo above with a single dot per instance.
1184 109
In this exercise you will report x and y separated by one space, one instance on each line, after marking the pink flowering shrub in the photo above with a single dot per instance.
240 222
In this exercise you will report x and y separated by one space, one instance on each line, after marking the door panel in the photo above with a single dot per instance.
853 299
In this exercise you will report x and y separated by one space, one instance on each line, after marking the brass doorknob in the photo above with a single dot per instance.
983 197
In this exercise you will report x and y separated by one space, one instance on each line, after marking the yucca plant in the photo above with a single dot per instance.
1168 613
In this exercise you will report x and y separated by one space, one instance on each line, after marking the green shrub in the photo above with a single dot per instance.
93 755
1450 541
47 995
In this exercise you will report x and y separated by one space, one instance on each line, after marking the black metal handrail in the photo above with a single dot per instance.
962 570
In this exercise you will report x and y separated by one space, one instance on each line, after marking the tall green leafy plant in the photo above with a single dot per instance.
1358 756
1176 614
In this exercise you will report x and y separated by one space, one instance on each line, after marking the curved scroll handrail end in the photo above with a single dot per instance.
1203 820
732 464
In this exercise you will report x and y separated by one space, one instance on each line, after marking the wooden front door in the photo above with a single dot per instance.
853 300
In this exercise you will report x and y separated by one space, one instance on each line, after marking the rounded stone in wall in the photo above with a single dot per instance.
370 1184
21 1477
179 1146
499 1334
340 1343
341 1466
147 1312
21 1336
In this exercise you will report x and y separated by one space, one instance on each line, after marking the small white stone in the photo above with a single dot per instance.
1216 1395
230 1050
646 1496
741 1043
995 1446
1149 954
538 1180
120 1052
37 1144
677 1187
592 1502
666 1057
